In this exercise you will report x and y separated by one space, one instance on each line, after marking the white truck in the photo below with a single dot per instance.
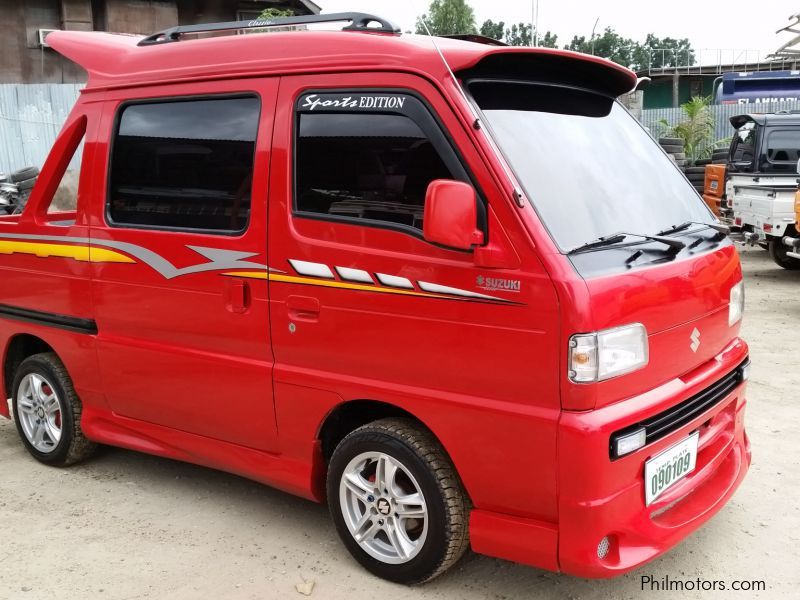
763 179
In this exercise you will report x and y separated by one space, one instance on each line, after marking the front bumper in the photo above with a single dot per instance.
603 498
600 497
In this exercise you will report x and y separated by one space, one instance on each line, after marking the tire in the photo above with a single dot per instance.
696 171
777 252
27 184
679 155
701 162
672 149
23 174
422 467
46 373
672 141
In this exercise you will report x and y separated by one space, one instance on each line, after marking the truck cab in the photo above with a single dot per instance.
763 178
366 268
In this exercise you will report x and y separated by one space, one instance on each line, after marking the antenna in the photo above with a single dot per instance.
518 196
477 123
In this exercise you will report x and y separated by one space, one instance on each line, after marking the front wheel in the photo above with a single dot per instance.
778 252
397 502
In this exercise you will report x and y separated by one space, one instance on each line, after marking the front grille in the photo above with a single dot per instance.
661 425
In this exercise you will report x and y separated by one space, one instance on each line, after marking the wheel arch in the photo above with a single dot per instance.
18 348
352 414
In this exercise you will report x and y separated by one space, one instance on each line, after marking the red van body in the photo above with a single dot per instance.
254 353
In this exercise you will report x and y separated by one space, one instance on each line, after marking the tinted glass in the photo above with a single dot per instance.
744 144
185 165
586 164
783 150
365 166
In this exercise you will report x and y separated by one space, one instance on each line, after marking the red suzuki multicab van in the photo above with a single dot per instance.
451 288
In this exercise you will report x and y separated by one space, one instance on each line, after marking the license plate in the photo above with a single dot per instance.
673 464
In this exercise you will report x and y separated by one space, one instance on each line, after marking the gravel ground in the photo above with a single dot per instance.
126 525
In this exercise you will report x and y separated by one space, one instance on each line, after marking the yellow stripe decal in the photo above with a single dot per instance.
330 283
79 253
353 286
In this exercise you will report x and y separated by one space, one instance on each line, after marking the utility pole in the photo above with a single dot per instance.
593 30
535 23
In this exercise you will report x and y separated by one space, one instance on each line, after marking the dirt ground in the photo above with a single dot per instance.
126 525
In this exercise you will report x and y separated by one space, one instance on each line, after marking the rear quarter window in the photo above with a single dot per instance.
184 164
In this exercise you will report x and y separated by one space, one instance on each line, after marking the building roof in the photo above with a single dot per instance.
115 60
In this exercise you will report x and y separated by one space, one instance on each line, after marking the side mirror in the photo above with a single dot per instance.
451 215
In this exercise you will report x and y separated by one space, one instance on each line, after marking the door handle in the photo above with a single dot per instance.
237 296
303 308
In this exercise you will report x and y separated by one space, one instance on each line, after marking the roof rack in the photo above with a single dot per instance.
358 22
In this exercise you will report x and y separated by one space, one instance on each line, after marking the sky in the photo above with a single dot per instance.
732 26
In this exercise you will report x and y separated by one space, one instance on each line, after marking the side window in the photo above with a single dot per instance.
744 148
184 164
59 199
369 157
65 199
783 150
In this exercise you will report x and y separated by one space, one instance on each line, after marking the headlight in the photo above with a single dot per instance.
608 353
736 306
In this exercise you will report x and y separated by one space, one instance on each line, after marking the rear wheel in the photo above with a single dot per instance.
47 412
777 251
397 502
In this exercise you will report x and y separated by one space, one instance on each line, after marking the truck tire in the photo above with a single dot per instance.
418 479
702 162
26 184
672 141
47 412
777 251
23 174
672 149
696 171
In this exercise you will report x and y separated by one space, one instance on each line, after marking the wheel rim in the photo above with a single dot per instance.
383 507
39 412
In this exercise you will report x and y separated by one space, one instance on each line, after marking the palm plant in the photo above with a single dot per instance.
697 129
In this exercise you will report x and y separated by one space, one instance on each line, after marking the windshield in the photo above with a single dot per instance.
588 167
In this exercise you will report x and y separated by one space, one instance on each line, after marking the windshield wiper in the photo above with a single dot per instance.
718 227
610 240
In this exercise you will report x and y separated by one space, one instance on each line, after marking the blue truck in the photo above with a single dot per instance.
757 87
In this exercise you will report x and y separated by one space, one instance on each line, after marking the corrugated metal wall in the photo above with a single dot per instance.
652 118
32 115
30 118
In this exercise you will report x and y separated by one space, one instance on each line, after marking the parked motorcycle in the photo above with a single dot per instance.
15 189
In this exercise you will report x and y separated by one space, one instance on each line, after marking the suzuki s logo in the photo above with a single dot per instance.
695 337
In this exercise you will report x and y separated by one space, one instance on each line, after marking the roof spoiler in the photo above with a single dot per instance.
738 120
558 67
478 39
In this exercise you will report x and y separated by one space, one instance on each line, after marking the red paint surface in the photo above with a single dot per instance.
200 369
